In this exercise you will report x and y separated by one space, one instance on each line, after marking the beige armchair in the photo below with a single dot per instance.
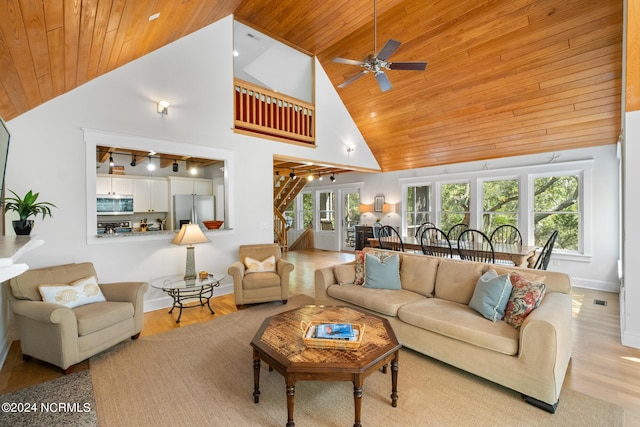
64 336
256 287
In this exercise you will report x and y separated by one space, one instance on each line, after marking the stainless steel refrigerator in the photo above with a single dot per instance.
193 208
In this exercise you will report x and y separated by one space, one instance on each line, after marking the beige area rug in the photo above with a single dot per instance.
202 375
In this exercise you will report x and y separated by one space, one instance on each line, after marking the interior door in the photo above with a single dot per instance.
349 218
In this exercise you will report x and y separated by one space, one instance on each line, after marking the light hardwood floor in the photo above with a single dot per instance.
600 367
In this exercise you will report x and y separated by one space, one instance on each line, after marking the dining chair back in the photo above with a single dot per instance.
543 259
434 242
474 245
390 239
454 232
422 227
377 226
506 233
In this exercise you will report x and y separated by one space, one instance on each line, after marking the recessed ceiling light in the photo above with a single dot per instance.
154 16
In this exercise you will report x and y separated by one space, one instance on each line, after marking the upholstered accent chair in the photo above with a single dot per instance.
78 317
259 278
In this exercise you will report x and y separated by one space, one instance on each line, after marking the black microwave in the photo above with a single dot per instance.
114 204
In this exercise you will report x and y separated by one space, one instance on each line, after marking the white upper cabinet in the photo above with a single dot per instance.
150 195
111 185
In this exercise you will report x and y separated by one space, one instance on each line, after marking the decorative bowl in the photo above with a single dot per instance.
212 225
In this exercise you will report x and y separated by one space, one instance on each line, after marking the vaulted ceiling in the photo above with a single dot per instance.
505 77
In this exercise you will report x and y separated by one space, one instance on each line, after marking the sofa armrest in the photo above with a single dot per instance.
124 291
324 278
45 312
546 337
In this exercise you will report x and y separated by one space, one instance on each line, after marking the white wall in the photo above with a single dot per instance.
597 270
49 155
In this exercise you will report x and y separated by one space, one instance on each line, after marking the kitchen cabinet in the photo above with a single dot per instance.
111 185
201 187
150 195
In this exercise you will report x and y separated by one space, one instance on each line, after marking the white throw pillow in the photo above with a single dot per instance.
255 266
81 292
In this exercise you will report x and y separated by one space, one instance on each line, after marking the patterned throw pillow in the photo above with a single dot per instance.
81 292
255 266
359 268
525 297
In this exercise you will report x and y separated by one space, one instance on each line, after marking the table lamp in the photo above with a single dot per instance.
188 235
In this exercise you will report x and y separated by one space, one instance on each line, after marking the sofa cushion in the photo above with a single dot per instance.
95 317
525 297
418 274
491 295
382 273
25 286
458 321
261 280
384 301
345 273
456 280
80 292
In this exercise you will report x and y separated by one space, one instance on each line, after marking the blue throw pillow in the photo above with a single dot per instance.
382 274
491 295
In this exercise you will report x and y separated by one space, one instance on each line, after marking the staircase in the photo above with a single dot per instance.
285 190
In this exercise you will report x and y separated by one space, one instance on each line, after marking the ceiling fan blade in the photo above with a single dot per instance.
418 66
352 79
388 49
383 81
348 61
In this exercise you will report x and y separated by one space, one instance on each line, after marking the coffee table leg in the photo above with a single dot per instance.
357 399
256 377
394 380
291 391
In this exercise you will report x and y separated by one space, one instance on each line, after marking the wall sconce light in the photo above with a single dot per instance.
175 166
133 161
151 166
363 208
163 107
332 178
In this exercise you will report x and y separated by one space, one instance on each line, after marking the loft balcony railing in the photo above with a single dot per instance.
265 112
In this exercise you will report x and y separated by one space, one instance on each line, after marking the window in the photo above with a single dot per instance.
418 204
556 207
454 202
290 215
326 210
307 210
500 201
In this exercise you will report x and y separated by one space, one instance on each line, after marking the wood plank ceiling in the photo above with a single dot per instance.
505 77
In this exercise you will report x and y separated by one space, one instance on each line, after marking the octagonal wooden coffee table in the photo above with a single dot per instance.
279 343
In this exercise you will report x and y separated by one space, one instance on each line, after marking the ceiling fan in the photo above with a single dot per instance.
377 63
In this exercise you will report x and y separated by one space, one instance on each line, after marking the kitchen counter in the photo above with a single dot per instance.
145 233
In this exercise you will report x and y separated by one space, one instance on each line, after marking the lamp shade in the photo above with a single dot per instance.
190 234
365 208
389 208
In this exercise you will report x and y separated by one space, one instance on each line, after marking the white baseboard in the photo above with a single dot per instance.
5 344
595 285
166 301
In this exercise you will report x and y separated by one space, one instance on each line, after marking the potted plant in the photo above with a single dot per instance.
26 207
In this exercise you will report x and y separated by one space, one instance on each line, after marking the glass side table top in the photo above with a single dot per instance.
178 282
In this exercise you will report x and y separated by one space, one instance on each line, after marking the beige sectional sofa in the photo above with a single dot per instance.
430 314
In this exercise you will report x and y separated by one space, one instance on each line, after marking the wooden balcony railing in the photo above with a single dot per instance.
262 111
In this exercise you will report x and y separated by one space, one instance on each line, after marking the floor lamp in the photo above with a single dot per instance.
188 235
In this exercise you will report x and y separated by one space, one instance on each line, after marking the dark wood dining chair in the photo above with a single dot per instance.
454 232
545 256
434 242
422 227
390 239
377 226
506 233
474 245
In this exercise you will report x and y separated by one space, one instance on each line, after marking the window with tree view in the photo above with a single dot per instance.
454 205
418 202
307 210
499 204
326 211
557 207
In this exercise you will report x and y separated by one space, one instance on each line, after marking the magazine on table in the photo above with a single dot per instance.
337 331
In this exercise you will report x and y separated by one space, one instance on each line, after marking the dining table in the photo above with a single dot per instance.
519 255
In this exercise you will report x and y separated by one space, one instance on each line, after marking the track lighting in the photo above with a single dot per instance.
292 175
310 177
111 162
332 178
133 161
319 177
175 166
151 166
